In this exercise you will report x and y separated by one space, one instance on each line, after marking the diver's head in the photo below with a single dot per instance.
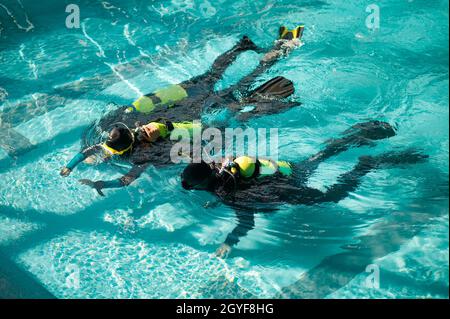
120 139
198 176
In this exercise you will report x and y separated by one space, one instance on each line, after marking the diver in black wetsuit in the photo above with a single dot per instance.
186 101
251 185
178 105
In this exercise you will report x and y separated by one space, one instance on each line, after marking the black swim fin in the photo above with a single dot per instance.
286 34
363 134
246 44
276 88
394 159
265 107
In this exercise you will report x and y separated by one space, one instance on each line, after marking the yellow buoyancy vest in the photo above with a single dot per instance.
247 166
168 96
268 167
164 130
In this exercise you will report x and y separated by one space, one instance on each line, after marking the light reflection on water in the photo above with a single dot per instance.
55 81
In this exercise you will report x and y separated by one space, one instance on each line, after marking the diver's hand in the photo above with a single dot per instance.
65 172
98 185
223 251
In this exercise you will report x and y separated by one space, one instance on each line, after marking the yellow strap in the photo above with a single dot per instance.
113 151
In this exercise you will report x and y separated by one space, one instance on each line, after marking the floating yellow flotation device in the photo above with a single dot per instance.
287 34
248 165
190 126
167 96
164 130
269 167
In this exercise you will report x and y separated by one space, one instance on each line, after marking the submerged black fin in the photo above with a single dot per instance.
246 44
362 134
276 88
394 159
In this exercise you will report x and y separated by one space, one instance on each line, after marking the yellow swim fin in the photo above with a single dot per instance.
287 34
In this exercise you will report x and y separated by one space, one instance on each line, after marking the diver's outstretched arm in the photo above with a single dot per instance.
125 180
245 223
77 159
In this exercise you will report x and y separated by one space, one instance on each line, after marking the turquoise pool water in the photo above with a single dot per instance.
154 240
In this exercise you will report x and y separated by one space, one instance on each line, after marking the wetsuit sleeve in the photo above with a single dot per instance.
77 159
126 179
246 222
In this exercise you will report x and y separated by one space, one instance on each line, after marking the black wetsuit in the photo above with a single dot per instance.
201 94
200 91
268 193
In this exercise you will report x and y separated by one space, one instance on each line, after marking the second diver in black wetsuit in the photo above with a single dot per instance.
186 101
178 105
253 185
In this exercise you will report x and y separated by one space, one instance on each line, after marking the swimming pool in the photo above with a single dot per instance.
154 240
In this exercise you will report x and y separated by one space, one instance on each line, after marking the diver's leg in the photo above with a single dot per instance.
281 48
358 135
220 64
348 182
